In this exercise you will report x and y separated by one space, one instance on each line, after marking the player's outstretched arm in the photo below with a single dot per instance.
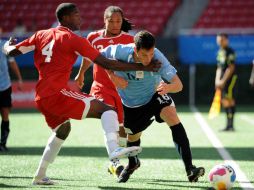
115 65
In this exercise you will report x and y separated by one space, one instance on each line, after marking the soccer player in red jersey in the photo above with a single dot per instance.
55 52
104 81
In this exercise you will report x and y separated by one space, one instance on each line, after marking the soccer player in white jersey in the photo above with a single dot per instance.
146 96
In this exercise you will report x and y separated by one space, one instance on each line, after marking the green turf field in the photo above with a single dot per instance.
82 163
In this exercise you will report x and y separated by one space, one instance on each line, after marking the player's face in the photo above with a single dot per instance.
222 41
74 20
113 24
145 56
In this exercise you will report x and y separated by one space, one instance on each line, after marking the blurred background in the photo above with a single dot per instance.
185 31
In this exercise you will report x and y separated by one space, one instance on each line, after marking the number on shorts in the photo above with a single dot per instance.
47 50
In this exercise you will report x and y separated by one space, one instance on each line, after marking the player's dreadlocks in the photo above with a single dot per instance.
126 25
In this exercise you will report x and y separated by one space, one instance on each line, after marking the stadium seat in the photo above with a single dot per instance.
154 14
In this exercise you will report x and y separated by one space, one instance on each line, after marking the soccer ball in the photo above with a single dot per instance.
222 177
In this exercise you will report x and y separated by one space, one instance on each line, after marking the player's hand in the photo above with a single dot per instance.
219 84
12 41
119 82
251 82
162 88
79 79
20 85
154 66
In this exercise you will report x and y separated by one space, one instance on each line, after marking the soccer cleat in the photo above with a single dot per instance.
42 181
115 168
228 128
127 171
3 148
122 152
194 173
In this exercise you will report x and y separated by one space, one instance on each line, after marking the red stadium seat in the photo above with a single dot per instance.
227 14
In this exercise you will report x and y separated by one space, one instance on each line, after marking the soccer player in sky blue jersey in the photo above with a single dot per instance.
5 93
146 96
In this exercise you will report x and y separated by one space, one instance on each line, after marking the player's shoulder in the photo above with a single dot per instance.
92 35
230 50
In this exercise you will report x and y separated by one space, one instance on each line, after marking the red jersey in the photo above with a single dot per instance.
99 42
55 52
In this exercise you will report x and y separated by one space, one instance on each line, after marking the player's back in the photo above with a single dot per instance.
99 41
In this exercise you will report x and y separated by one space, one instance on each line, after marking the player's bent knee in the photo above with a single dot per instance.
169 115
63 131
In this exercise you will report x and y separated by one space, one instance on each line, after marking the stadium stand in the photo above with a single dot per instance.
149 14
227 14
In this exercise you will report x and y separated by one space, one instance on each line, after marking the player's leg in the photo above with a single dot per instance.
51 150
134 163
5 106
228 102
169 115
110 125
5 128
112 99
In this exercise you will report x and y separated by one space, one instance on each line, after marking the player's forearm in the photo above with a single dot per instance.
228 73
218 75
175 86
85 64
16 70
115 65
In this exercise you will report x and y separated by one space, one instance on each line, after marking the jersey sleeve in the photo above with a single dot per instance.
167 71
83 47
109 52
118 52
27 45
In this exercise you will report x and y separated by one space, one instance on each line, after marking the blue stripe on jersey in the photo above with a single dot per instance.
5 81
141 84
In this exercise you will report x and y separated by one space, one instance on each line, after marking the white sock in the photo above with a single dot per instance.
110 127
50 152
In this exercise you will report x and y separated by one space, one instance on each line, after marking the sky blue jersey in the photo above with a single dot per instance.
5 81
141 84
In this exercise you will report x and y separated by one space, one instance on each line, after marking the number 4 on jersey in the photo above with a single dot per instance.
47 50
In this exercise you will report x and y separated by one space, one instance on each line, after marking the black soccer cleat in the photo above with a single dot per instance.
194 173
127 171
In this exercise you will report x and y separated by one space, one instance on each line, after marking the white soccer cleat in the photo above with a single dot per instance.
42 181
122 152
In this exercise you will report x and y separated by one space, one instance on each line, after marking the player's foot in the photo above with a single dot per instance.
228 128
127 171
42 181
115 168
122 152
3 148
194 173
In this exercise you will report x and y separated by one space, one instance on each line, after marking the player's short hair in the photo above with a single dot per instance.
126 25
144 40
223 35
64 9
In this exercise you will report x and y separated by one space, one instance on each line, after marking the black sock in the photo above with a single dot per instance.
133 159
4 131
182 144
230 111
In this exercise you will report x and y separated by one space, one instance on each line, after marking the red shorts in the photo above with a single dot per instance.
111 99
63 106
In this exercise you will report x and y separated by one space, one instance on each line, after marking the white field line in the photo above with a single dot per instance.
240 176
247 119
